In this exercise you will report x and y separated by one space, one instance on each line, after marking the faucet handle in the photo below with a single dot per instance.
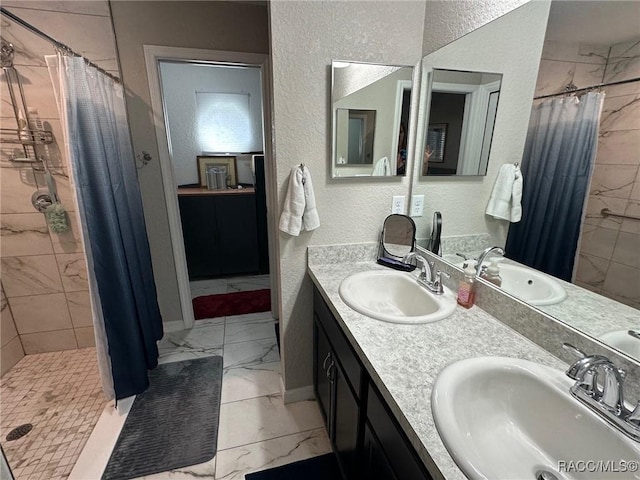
437 282
611 389
634 416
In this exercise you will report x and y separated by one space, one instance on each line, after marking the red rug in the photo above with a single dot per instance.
228 304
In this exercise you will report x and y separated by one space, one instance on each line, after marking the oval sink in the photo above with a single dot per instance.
506 418
395 297
529 285
621 340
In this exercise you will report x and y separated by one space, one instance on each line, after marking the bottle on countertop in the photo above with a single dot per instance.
467 287
492 272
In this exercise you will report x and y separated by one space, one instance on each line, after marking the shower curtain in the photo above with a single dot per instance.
557 164
127 320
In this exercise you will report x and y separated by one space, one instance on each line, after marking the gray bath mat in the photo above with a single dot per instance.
173 424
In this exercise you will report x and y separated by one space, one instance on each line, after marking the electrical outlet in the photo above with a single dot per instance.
417 205
398 204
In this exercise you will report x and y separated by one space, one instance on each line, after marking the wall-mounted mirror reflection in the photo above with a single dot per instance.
587 44
462 113
371 113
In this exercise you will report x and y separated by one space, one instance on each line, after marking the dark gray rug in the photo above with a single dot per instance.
173 424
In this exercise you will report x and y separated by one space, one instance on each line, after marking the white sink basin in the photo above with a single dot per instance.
505 418
395 297
621 340
529 285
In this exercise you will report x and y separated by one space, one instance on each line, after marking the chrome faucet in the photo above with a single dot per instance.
427 278
484 255
608 401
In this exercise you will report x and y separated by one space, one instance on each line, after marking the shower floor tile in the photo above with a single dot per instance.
60 394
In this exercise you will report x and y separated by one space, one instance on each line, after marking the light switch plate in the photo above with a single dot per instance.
397 206
417 205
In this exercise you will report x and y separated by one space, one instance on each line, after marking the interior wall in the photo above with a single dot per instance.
350 210
609 257
230 26
180 82
44 278
511 45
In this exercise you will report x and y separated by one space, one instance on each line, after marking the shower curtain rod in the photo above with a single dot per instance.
57 44
570 92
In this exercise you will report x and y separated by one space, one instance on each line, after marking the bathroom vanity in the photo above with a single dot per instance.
374 379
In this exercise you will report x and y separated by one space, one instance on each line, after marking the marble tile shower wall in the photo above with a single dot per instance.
609 261
45 298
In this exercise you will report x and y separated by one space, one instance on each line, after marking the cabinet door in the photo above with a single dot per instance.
345 435
198 217
237 234
375 465
321 362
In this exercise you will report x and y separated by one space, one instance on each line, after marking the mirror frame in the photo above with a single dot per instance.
410 127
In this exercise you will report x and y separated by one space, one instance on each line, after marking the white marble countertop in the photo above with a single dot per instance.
404 360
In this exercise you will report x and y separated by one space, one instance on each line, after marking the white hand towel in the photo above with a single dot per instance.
300 205
504 203
310 217
381 168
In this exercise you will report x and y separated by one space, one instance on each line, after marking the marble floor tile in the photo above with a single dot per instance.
239 328
169 357
244 284
234 463
197 339
201 470
205 322
252 353
262 418
208 287
242 383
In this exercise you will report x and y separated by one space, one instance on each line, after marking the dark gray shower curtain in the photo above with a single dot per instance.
110 207
556 167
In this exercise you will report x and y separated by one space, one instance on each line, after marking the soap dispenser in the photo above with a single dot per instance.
467 287
492 273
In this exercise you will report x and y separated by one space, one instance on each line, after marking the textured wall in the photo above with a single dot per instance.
305 37
446 21
231 26
511 45
180 82
43 273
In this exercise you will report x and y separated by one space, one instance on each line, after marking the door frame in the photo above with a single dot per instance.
153 54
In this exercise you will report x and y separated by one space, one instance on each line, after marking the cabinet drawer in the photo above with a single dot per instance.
344 353
397 448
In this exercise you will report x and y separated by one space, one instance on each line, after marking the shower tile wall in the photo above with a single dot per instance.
45 298
609 261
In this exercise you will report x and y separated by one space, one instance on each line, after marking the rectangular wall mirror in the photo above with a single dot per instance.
462 109
371 111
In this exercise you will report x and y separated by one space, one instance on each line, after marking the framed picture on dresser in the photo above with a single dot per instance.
225 163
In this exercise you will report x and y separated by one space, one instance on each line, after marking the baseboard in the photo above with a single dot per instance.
173 326
296 394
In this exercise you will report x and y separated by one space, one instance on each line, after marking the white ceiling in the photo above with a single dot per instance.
596 22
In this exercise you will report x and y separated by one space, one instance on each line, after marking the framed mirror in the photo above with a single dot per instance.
371 112
462 109
603 296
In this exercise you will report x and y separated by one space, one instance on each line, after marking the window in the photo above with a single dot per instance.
225 123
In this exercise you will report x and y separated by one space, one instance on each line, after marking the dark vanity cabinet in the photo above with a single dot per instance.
364 433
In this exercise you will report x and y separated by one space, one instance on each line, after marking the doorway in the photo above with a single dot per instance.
210 110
